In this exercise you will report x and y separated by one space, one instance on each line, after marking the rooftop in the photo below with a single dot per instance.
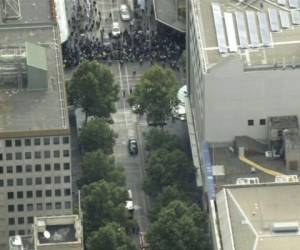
260 217
22 109
267 48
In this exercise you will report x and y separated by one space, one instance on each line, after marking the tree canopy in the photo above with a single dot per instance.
158 138
179 227
97 134
110 237
97 166
102 203
92 88
164 168
156 95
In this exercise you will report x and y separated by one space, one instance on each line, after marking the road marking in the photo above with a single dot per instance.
127 80
123 101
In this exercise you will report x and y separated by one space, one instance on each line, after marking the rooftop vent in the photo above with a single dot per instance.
285 227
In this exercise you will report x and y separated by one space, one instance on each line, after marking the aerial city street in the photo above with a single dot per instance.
149 124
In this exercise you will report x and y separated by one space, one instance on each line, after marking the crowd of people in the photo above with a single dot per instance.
139 43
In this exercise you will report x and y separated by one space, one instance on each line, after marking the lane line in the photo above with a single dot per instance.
127 79
123 101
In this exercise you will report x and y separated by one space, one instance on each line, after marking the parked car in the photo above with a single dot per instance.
132 146
116 29
106 40
124 12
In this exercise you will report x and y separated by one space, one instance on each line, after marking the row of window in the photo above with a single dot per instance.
36 141
34 155
34 181
37 168
262 122
38 206
38 193
19 232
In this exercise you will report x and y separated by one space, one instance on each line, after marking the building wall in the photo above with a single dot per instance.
35 176
233 97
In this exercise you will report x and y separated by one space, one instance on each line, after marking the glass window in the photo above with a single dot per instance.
11 208
47 167
8 143
37 155
29 207
27 155
10 182
28 181
56 166
29 194
67 191
21 232
57 179
48 180
19 182
9 169
48 193
37 141
18 155
18 143
66 166
30 219
55 140
250 122
11 221
1 157
57 205
12 233
38 168
48 206
27 142
67 179
20 208
66 140
8 156
20 194
38 181
56 153
1 170
262 122
67 204
38 193
39 206
28 168
10 195
66 153
19 168
21 220
47 154
1 183
46 141
57 192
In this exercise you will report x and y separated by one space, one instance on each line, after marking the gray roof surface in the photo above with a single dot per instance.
24 110
36 56
285 47
166 12
250 211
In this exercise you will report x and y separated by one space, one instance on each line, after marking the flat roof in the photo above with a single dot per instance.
20 108
247 213
284 49
166 13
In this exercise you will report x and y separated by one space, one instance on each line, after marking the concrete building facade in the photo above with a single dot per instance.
35 151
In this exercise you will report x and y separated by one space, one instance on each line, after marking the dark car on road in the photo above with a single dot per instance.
132 146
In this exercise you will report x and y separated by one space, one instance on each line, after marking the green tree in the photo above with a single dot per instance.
97 134
110 237
97 166
92 88
168 194
158 138
103 202
180 227
165 168
156 95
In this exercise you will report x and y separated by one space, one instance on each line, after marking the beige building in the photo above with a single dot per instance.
35 151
